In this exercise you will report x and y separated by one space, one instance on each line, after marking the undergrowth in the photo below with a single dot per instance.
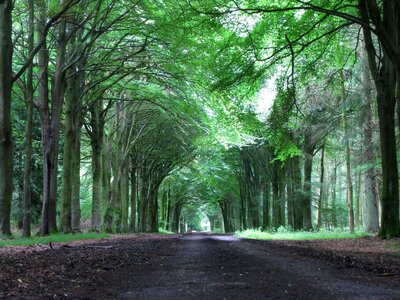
164 231
283 233
54 238
395 246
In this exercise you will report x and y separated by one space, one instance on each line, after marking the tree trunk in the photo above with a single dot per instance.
390 186
66 226
132 219
282 196
227 210
26 232
309 148
96 142
163 206
371 212
297 194
70 214
349 182
243 210
116 192
6 143
333 181
321 188
153 211
168 209
74 93
124 198
43 95
358 206
266 205
289 194
276 205
384 76
176 217
51 122
112 218
76 178
106 187
142 200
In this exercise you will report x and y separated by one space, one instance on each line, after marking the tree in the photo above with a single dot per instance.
379 19
29 95
371 213
6 145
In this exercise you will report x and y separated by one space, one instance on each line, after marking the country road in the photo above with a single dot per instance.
225 267
195 266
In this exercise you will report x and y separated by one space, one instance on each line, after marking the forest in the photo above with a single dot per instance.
225 115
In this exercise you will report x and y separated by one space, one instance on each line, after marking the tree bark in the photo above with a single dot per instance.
228 211
26 232
96 142
371 212
6 143
124 198
266 205
106 187
321 188
384 76
333 181
43 96
132 219
153 211
297 193
276 204
66 212
76 178
309 148
142 199
282 195
390 186
358 196
176 216
349 182
71 214
51 121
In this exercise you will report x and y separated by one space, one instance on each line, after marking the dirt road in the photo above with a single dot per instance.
194 266
224 267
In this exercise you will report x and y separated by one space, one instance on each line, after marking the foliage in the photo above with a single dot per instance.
171 102
54 238
284 234
395 246
163 231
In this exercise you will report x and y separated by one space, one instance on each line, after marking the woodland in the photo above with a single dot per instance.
147 115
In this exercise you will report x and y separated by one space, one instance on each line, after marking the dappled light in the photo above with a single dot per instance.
225 238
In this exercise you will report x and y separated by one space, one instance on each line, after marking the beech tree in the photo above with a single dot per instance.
6 147
165 117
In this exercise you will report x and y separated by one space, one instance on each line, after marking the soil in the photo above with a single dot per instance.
201 266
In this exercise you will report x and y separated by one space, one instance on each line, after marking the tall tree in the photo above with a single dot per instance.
6 144
371 212
29 95
349 180
319 21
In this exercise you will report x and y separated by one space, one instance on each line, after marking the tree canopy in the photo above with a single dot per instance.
134 116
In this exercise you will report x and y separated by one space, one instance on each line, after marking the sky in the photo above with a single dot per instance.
265 99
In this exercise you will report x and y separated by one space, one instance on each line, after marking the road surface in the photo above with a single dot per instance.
225 267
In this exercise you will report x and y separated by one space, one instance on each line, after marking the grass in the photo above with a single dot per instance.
300 235
395 246
163 231
54 238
